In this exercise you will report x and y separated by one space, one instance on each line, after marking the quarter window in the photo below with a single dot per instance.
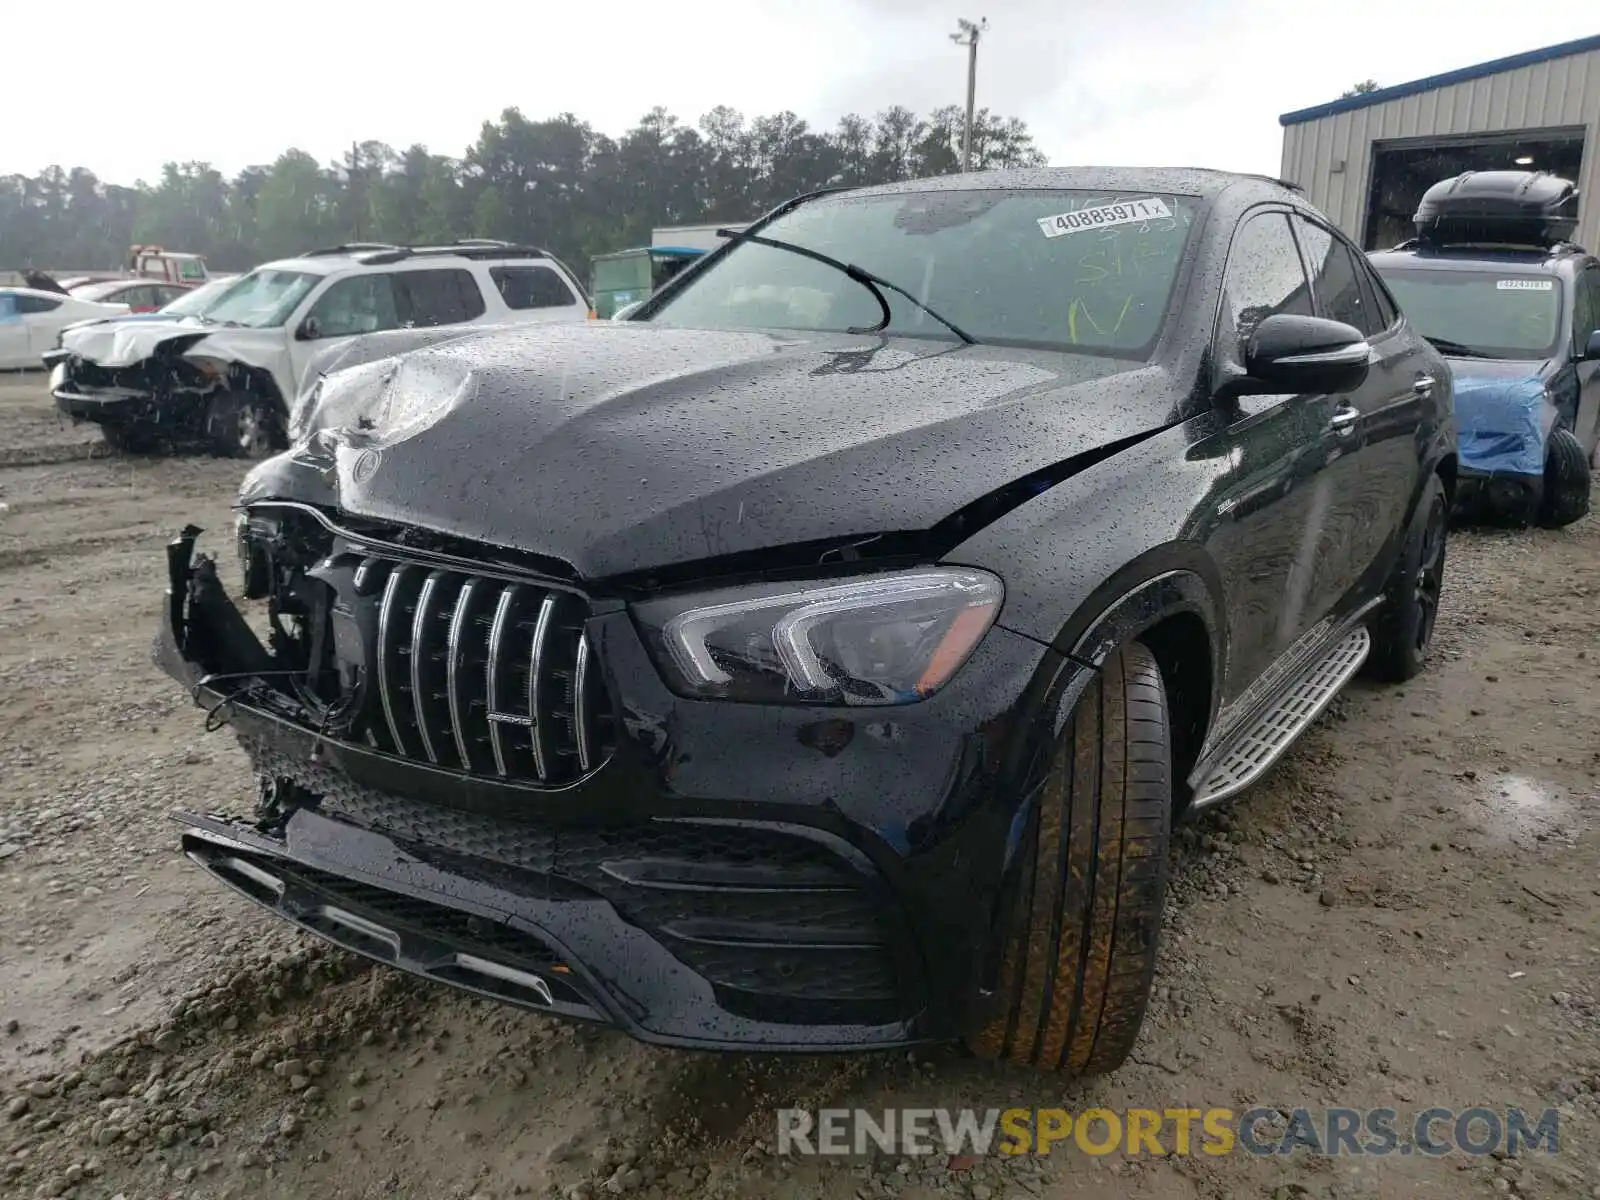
37 304
532 287
1265 278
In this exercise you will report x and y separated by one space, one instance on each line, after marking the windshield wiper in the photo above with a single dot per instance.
1446 346
873 283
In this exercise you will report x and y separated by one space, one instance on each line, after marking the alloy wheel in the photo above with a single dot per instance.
1430 573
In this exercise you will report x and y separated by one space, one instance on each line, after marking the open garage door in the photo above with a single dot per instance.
1403 170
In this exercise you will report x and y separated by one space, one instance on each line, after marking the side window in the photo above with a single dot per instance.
38 304
1585 307
1265 277
532 287
1333 278
1384 313
448 296
357 304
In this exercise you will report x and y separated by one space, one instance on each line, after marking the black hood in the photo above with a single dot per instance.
619 446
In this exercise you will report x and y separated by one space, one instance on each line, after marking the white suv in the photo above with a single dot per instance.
226 377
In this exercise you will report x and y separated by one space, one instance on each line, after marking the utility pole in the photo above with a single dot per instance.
967 36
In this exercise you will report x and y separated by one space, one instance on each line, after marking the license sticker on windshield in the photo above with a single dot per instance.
1525 285
1125 212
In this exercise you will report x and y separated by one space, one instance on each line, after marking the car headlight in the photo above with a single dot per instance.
894 638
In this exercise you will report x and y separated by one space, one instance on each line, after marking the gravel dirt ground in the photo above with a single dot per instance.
1406 913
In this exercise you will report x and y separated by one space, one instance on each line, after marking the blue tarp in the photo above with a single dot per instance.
1502 422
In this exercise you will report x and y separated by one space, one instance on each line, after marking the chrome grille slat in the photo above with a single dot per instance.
536 712
419 660
455 673
497 645
389 621
580 716
480 675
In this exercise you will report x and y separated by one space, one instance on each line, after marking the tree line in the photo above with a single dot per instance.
556 182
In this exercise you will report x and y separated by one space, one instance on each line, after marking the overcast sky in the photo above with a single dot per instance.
1143 82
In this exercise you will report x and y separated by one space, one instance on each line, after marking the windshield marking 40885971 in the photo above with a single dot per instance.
1126 212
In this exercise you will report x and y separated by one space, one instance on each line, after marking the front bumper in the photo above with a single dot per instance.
1511 493
85 392
733 877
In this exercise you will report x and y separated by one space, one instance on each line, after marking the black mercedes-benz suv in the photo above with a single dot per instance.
819 658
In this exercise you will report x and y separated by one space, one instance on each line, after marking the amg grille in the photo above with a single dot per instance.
481 675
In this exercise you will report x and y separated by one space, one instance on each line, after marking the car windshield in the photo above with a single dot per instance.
262 299
1484 314
98 291
1088 271
194 303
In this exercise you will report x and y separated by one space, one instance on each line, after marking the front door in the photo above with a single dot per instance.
1585 322
1264 508
1374 460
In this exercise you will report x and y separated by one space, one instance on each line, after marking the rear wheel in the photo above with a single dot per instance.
1081 953
242 425
1403 630
1566 481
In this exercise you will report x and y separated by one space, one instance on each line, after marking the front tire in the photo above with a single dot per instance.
1566 481
1404 628
242 425
1081 954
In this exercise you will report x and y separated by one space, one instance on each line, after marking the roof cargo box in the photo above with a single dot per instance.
1513 208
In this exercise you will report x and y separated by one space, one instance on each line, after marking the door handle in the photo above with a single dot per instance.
1423 385
1344 419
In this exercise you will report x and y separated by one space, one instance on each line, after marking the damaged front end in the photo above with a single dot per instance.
170 396
163 396
443 786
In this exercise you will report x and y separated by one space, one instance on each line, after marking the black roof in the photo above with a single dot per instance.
1174 181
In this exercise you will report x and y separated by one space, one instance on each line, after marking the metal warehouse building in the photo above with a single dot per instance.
1366 160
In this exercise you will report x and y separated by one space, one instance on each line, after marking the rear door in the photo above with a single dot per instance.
437 296
14 350
1374 459
43 317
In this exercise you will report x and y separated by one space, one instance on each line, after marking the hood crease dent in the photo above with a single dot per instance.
658 446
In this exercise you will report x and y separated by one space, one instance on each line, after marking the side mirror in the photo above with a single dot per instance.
1288 353
309 330
1591 350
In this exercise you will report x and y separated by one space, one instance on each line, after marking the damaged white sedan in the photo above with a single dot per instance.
224 380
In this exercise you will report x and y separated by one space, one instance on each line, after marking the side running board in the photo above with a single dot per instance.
1264 742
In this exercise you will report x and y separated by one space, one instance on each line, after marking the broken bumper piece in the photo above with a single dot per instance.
652 926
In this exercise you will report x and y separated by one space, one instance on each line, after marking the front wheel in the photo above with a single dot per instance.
242 425
1566 481
1403 630
1081 952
